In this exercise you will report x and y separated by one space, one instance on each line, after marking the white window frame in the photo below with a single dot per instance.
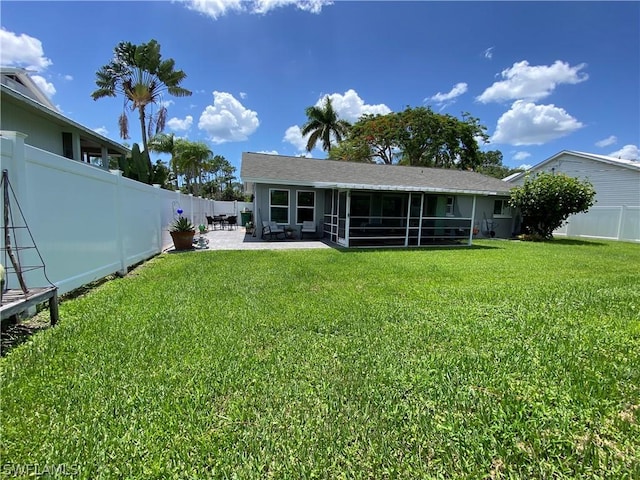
312 208
505 209
450 206
288 206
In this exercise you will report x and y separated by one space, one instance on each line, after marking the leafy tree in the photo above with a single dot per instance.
546 201
415 136
491 164
139 74
323 124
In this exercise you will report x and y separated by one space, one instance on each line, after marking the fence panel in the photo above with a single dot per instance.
86 222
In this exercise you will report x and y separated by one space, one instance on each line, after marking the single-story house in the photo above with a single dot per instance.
26 109
368 205
616 211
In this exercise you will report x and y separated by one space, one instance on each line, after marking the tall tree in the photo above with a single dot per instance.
166 143
139 74
323 124
415 136
191 158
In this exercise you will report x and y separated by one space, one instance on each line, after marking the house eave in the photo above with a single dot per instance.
369 187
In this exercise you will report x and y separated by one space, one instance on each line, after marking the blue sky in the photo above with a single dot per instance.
542 77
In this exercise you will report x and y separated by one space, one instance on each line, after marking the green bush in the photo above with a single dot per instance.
546 201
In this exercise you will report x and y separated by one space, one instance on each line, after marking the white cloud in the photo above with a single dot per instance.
47 87
101 131
530 124
457 90
488 53
293 135
521 155
525 166
243 95
227 120
525 82
178 124
218 8
269 152
628 152
611 140
68 78
22 51
351 107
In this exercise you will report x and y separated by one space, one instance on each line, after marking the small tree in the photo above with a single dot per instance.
546 201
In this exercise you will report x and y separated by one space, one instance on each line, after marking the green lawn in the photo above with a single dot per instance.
506 360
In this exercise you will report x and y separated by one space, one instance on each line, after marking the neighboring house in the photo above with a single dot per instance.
26 109
368 205
616 213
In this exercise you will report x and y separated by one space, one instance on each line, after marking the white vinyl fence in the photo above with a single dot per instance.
87 222
613 223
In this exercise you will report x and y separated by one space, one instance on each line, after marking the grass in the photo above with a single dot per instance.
508 360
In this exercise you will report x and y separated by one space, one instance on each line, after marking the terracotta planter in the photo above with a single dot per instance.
183 240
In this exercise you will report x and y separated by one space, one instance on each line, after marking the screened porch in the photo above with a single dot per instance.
402 219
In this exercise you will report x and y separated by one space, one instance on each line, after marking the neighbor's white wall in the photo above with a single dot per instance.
42 132
86 222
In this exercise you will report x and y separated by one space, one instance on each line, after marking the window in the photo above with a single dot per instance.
501 209
279 206
450 204
306 206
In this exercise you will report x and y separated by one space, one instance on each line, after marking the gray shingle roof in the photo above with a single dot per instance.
278 169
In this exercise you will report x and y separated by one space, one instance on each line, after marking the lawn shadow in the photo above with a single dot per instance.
576 242
14 334
433 248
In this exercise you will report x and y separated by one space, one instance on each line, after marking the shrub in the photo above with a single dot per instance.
547 200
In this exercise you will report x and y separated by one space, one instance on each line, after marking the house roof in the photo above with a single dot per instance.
18 79
317 173
30 104
619 162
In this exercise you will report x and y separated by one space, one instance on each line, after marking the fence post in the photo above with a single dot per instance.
119 226
621 221
158 215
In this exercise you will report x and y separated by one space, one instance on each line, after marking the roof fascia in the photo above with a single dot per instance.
360 186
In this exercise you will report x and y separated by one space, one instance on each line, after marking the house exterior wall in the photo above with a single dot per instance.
262 204
616 211
485 220
41 132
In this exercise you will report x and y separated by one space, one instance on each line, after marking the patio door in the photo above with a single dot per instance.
343 208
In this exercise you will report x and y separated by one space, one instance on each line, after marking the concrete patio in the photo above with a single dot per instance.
237 239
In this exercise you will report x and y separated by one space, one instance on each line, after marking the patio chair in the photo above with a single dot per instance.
210 222
218 220
232 221
307 227
272 229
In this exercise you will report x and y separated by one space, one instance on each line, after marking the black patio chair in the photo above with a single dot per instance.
232 221
210 222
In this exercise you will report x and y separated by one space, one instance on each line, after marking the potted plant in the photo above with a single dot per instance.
182 232
289 232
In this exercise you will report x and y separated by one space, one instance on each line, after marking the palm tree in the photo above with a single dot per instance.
166 143
190 158
139 74
322 124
